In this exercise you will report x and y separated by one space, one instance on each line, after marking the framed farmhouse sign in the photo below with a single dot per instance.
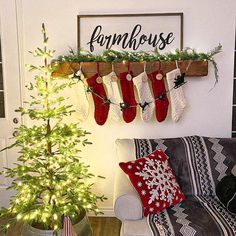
131 32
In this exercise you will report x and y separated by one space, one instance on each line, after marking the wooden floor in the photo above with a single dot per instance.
105 226
102 226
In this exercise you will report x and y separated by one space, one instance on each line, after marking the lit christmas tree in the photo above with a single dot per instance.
49 178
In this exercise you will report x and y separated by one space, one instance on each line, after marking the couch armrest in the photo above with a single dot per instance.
127 204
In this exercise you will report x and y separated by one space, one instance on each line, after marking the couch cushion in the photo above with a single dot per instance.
199 163
197 215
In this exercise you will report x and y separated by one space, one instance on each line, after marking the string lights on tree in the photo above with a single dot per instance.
49 178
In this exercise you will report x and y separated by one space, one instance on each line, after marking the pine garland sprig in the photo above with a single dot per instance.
215 51
211 54
120 56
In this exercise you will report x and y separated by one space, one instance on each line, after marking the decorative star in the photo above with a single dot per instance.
139 184
143 192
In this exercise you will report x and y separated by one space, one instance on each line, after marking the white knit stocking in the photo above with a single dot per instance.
81 103
113 94
76 96
82 106
145 96
177 98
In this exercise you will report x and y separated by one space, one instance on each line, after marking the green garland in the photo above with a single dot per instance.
120 56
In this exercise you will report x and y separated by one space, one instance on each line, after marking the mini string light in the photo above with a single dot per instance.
19 216
55 216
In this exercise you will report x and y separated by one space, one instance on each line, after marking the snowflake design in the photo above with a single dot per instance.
159 179
129 167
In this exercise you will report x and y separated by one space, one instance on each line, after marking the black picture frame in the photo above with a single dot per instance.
85 16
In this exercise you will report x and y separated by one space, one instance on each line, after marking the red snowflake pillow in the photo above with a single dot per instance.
153 179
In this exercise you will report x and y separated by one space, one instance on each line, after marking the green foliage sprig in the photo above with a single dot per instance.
120 56
49 179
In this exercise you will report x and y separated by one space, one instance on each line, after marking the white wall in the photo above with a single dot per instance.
206 23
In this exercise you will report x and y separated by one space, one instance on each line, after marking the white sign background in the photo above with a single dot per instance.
120 24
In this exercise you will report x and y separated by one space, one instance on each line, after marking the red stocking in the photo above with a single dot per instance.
101 103
159 91
127 88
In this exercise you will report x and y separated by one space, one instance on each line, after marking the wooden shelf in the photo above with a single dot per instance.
196 69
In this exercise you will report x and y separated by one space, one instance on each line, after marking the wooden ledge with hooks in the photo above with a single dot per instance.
196 68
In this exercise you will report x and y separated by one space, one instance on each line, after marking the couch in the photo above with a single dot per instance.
199 163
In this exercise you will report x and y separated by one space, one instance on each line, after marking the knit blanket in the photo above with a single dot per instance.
199 163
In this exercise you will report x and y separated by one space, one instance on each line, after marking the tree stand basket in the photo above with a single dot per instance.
82 228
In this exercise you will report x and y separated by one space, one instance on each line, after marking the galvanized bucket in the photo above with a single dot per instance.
82 228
